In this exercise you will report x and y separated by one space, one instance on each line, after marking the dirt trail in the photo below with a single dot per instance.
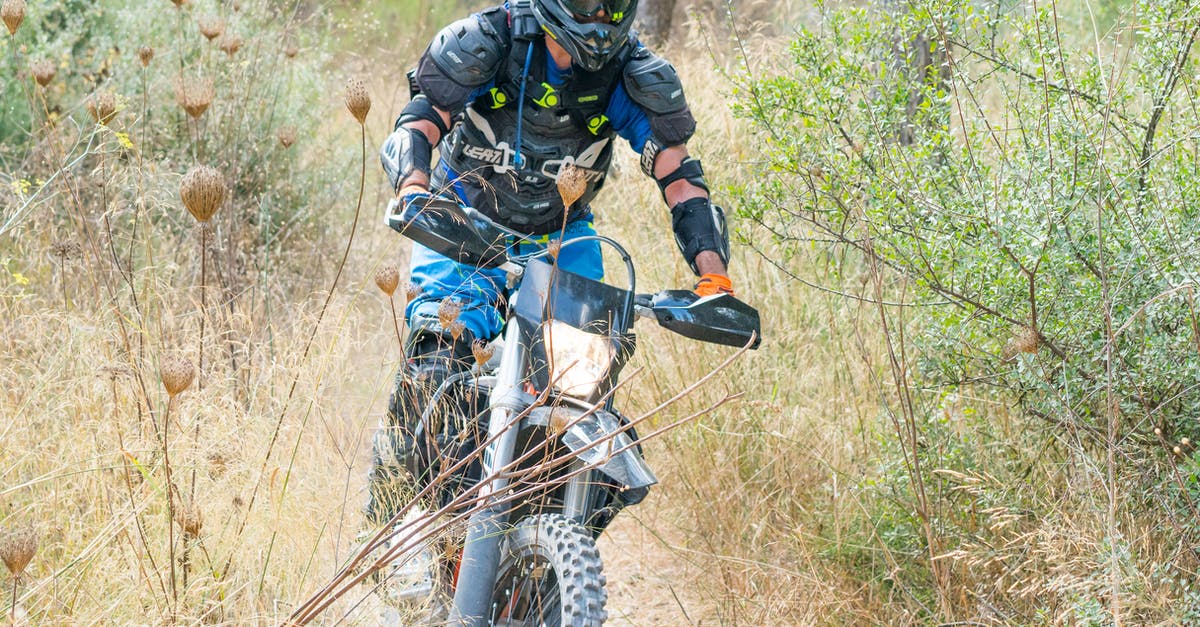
647 579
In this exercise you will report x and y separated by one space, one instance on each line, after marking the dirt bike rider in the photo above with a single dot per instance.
512 94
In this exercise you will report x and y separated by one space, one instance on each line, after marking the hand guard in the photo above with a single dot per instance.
699 225
400 206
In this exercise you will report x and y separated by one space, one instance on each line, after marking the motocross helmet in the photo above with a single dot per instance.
573 25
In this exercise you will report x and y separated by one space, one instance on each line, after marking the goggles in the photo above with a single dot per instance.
615 9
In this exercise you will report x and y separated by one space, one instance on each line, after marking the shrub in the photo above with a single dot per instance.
1028 189
269 84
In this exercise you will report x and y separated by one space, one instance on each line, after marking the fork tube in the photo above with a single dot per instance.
481 554
505 404
575 494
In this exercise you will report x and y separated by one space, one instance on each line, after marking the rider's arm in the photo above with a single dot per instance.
461 59
676 192
407 154
659 126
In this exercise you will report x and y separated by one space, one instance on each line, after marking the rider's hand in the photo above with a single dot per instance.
713 283
413 193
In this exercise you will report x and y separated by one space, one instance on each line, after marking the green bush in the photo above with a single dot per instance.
1028 186
268 78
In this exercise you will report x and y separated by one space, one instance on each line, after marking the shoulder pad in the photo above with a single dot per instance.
463 56
653 84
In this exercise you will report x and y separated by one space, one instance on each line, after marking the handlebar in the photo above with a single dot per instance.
467 236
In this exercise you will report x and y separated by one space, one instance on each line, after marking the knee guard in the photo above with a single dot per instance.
405 451
403 440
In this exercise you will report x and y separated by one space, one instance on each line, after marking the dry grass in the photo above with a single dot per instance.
769 510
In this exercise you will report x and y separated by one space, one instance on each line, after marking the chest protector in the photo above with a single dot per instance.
560 126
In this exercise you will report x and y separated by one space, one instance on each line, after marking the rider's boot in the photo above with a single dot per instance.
404 455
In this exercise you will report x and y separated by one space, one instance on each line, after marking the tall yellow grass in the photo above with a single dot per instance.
759 518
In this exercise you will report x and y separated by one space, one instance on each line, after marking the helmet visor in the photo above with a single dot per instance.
615 9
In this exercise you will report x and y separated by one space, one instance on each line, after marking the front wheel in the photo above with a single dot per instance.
550 574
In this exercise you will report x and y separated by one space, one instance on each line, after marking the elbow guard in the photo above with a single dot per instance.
689 170
405 151
408 150
699 225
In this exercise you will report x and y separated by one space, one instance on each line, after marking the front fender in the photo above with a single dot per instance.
598 440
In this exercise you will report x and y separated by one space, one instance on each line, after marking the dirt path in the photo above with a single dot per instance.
648 580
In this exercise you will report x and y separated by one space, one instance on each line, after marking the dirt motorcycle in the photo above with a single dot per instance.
558 460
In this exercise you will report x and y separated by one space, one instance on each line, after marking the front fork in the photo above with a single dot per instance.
481 553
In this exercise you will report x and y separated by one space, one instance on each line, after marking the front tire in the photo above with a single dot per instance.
550 574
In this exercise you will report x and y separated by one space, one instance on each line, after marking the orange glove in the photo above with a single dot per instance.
710 284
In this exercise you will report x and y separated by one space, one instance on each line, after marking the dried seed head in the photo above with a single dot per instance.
1023 340
388 279
358 101
65 250
102 107
1177 450
13 13
1185 441
176 373
1157 431
1026 340
559 419
195 95
456 329
43 71
411 291
230 44
572 183
448 312
483 352
190 519
202 191
211 26
17 548
290 50
218 461
286 136
145 55
553 247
